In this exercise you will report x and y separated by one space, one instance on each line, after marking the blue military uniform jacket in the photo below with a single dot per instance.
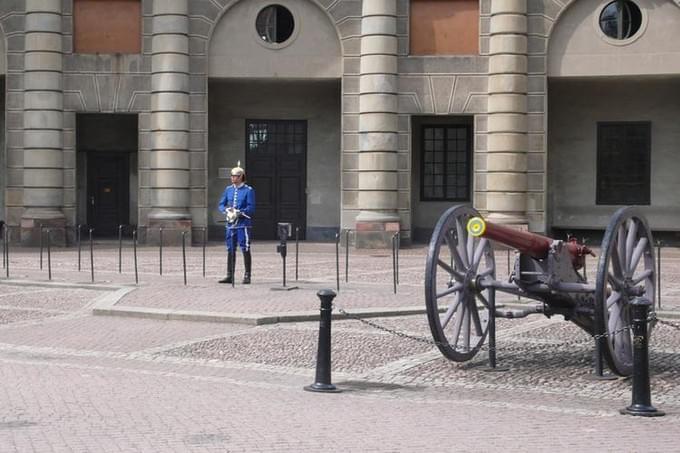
241 198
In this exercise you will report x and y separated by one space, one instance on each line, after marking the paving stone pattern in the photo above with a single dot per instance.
77 382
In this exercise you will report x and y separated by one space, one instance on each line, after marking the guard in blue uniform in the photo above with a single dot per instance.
238 204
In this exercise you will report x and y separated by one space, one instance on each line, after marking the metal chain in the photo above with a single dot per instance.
483 348
391 331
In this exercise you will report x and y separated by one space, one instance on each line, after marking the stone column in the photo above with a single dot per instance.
43 196
169 156
377 199
507 113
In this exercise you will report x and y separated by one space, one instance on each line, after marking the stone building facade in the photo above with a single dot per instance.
374 115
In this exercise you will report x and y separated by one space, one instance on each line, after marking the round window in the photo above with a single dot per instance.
620 19
275 24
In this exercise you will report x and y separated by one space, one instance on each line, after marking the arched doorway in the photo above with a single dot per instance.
613 104
274 104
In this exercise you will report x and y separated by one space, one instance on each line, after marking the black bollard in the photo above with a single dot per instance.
184 256
91 255
642 398
322 382
134 252
49 254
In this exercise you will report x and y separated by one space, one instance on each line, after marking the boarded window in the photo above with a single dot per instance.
444 27
107 26
623 163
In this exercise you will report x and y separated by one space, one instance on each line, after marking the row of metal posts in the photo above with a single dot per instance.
396 245
48 231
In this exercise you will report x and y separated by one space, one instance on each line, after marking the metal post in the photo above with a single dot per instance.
337 260
160 251
205 240
397 247
492 334
599 374
49 254
658 273
2 233
284 270
134 253
642 398
394 264
91 255
80 226
4 244
7 237
41 247
322 382
234 243
184 256
297 248
120 248
508 264
347 255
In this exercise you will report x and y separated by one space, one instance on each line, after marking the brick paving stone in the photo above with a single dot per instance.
74 382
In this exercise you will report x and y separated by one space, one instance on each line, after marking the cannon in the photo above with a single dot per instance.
461 284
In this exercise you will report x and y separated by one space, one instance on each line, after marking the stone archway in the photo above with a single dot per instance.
292 85
597 85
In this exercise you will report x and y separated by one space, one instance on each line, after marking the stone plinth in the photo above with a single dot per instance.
172 232
375 235
31 231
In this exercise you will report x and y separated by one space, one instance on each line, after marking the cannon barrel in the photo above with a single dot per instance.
532 244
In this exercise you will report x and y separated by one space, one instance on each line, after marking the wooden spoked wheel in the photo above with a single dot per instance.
457 309
625 271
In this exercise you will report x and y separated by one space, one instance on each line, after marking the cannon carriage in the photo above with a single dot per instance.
461 284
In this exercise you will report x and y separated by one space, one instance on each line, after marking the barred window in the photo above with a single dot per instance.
446 165
623 163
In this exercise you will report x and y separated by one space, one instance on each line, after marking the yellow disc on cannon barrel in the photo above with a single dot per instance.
476 226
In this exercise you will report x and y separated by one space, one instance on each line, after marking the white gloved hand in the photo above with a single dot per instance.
232 215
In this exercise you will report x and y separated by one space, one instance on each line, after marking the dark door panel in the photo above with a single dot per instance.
276 155
107 192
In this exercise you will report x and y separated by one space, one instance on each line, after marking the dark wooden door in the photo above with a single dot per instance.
108 203
276 167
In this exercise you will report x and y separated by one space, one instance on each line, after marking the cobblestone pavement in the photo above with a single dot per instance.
76 382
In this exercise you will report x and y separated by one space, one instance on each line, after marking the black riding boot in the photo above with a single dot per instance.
231 261
247 262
